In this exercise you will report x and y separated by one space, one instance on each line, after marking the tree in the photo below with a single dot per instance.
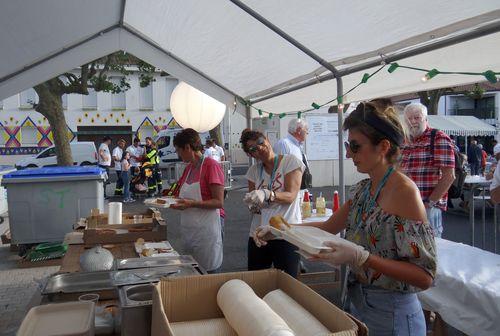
431 99
93 75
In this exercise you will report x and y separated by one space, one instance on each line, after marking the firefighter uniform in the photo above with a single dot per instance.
154 182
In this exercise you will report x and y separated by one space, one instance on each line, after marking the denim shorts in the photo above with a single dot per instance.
434 215
387 312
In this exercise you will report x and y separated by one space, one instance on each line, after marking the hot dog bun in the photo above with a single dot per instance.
279 223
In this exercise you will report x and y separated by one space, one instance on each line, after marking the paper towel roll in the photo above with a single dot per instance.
297 317
115 213
209 327
248 314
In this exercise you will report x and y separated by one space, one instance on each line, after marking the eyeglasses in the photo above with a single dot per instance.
353 146
254 148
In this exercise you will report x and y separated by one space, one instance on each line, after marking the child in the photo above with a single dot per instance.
126 177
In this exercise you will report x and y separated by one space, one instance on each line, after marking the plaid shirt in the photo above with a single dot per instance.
419 165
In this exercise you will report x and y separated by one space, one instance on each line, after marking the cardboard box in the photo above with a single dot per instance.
151 227
195 298
100 220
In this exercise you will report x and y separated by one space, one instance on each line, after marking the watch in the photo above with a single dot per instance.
272 197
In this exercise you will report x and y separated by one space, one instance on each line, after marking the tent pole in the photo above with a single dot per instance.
465 145
340 114
335 74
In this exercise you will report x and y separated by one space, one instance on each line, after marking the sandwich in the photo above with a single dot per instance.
278 222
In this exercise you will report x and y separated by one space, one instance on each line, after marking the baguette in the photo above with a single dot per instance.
278 222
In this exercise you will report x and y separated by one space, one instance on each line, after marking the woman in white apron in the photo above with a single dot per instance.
273 185
201 200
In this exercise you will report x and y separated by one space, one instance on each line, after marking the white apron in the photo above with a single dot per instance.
201 229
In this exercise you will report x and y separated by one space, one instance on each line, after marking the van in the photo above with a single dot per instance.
84 154
165 144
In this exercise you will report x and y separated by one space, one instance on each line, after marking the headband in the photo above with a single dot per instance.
379 124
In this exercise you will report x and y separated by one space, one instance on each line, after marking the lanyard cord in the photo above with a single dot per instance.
275 167
370 200
191 169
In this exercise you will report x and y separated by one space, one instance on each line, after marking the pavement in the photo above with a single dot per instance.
19 287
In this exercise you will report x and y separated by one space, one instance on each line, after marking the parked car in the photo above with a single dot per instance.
165 143
84 154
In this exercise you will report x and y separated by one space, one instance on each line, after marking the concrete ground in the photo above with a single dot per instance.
19 286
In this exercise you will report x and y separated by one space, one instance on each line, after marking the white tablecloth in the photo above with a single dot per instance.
316 218
467 288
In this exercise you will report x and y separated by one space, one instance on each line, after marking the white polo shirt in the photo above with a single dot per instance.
118 152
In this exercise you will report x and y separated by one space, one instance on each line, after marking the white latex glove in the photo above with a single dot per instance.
247 199
260 196
261 235
344 252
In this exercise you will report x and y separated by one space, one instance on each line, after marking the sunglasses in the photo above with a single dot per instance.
353 146
254 148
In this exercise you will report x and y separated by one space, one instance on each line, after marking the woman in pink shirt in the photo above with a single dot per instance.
201 200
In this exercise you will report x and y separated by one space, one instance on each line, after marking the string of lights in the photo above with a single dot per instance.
489 75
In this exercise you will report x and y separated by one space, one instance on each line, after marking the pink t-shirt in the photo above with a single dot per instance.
211 173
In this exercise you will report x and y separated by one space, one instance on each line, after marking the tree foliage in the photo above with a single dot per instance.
94 75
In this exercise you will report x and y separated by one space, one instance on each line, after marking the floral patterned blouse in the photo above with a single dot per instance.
391 237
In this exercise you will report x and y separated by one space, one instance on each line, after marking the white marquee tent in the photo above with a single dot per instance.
280 54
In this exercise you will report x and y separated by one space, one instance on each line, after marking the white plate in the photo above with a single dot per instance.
152 202
164 245
307 238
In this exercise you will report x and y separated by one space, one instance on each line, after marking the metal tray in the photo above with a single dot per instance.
146 275
145 262
78 283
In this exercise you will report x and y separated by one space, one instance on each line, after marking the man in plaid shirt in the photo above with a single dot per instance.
433 174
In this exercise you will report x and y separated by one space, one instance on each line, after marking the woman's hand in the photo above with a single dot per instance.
261 235
183 203
257 197
343 252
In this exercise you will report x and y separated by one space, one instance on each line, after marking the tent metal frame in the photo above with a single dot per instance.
458 37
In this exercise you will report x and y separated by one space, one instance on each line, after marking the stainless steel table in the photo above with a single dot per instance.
479 183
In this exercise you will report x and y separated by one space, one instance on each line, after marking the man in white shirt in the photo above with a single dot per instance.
104 159
211 151
292 144
136 155
117 158
220 150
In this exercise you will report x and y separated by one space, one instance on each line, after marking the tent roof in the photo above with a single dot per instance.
223 51
461 125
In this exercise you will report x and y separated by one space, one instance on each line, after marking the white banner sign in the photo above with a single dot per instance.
322 142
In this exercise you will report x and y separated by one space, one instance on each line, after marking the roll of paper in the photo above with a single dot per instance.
248 314
115 213
297 317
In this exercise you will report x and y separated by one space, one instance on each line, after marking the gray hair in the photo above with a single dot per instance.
417 107
296 124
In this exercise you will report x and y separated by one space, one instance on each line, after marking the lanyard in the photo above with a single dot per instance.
370 201
273 173
191 169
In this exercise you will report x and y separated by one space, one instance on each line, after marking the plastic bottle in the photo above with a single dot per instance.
306 205
320 205
336 202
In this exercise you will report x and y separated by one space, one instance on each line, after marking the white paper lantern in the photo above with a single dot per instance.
192 108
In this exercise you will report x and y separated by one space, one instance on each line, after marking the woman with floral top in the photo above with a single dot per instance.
389 244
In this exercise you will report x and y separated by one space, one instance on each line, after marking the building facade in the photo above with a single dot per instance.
138 111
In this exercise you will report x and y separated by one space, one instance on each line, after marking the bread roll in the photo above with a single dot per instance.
279 223
248 314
